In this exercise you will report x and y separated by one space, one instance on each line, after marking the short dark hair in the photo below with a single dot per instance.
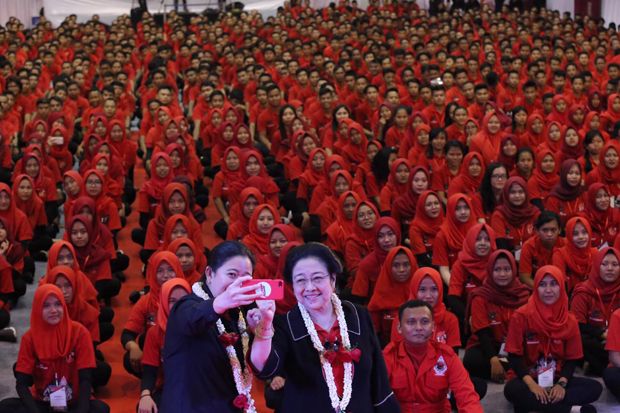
546 217
413 304
225 251
314 250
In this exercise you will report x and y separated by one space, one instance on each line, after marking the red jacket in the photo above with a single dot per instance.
426 390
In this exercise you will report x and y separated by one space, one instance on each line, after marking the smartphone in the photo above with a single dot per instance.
270 289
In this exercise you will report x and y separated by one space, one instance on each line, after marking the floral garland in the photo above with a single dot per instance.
243 379
338 404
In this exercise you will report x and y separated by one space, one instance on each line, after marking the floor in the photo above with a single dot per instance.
123 390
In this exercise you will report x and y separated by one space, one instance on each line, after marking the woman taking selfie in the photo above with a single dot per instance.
327 347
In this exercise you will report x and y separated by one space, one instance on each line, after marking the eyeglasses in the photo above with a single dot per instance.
499 176
317 281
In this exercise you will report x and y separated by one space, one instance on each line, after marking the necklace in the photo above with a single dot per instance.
243 378
339 405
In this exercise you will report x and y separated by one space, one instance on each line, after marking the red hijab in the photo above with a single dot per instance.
545 181
262 181
464 182
555 146
454 230
513 295
553 321
249 144
389 294
151 276
595 286
356 152
606 175
439 310
200 261
92 254
51 342
166 291
562 190
162 213
256 241
31 206
311 176
516 215
422 222
578 260
103 236
405 205
232 178
79 308
155 185
360 235
289 301
469 259
597 218
572 152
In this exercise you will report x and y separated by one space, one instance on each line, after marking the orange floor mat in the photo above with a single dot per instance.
123 390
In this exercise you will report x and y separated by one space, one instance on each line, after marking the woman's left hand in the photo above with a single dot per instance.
262 315
556 394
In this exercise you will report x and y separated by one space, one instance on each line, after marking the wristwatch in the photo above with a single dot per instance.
562 384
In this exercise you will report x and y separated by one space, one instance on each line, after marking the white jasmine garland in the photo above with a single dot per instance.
338 404
243 379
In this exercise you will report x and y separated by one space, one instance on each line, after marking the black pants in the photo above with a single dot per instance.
579 391
106 331
101 374
457 307
5 318
611 376
221 228
108 288
477 364
595 354
120 263
15 405
127 364
106 315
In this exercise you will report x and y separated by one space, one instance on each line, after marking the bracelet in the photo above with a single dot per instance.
144 395
260 333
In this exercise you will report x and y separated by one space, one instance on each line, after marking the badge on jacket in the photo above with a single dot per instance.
440 367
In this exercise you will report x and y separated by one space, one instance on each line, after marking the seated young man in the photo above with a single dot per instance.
422 371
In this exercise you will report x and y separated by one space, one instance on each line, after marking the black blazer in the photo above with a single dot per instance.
306 391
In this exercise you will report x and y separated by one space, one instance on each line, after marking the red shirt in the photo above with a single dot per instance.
524 340
442 254
504 229
485 314
44 372
424 390
591 310
613 334
534 255
140 319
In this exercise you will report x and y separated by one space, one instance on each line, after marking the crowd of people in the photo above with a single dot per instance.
418 184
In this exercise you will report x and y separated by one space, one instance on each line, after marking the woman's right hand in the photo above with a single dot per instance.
147 405
135 358
498 374
540 393
277 383
236 295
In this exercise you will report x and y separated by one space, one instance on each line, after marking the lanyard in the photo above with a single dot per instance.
606 309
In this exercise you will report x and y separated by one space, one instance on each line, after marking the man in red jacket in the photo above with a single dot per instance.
421 371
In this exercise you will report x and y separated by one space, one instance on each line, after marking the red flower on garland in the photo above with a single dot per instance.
241 402
343 356
229 339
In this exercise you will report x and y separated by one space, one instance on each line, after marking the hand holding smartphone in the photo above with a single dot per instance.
270 289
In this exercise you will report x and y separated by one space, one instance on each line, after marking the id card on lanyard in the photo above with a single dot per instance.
58 396
545 371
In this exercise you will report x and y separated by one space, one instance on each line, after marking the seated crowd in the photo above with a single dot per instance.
419 184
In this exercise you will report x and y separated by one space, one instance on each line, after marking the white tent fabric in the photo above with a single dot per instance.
24 10
610 11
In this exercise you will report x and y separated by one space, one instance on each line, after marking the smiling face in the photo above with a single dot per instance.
386 238
233 268
548 290
366 217
516 195
277 242
265 221
176 203
580 236
610 268
53 310
313 286
502 272
611 158
482 247
419 183
428 291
